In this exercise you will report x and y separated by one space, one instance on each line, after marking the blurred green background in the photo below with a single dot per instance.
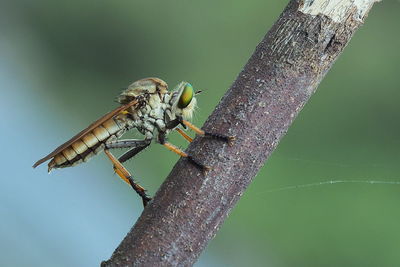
62 63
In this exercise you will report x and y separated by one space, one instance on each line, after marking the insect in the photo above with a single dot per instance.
146 105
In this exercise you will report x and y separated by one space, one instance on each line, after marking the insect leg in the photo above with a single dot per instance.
199 131
126 176
181 153
135 145
181 132
179 120
132 152
128 143
172 124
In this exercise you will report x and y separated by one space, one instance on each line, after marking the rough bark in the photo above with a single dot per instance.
274 85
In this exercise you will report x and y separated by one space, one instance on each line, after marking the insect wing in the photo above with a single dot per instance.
92 126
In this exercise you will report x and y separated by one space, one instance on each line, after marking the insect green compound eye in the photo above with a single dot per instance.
186 96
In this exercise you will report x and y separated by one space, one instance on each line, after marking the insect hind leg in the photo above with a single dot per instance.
131 153
135 145
124 174
128 143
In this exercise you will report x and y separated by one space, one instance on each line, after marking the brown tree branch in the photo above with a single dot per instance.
275 84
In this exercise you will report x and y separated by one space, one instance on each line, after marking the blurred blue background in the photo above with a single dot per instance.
64 62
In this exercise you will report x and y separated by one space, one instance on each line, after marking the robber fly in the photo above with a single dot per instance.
146 105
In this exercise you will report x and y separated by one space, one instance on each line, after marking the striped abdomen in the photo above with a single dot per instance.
89 144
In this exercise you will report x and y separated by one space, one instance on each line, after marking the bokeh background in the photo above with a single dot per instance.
62 63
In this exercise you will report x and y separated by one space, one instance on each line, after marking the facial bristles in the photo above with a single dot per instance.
187 113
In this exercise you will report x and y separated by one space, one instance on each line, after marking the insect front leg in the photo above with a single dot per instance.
172 124
197 130
124 174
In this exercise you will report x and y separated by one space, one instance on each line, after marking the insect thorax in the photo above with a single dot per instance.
152 115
